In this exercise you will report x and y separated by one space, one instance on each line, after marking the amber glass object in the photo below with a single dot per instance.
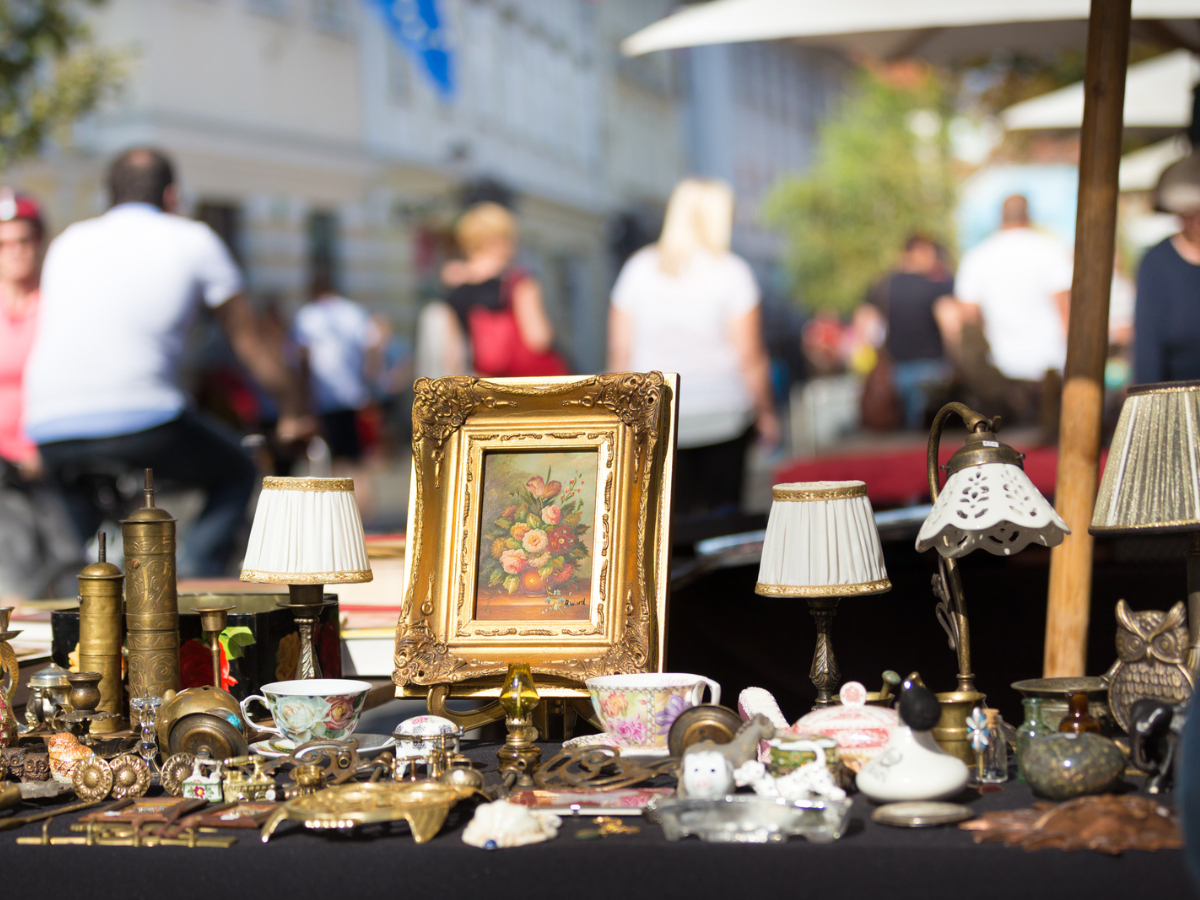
1078 720
519 696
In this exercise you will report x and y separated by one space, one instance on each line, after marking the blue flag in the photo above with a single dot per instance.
419 27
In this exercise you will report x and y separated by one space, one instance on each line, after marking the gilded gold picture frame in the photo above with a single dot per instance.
538 531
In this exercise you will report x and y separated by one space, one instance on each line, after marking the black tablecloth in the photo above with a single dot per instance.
869 861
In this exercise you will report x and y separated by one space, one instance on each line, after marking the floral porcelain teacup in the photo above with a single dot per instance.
638 710
313 709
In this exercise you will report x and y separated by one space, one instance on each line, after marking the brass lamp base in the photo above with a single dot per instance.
307 602
825 674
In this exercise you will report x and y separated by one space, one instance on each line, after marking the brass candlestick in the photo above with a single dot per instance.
307 602
519 697
212 623
151 599
100 608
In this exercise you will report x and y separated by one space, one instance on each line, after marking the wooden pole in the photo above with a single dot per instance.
1087 337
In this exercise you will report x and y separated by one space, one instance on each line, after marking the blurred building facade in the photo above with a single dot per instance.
307 136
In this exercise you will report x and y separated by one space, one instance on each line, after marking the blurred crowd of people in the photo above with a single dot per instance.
994 332
93 339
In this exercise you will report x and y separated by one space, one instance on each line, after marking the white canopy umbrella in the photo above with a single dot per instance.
1140 170
1158 94
942 30
937 30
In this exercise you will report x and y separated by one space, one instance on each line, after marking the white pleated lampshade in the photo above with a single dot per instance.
993 506
1151 481
821 542
306 531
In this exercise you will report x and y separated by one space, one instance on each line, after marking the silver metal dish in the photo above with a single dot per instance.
750 819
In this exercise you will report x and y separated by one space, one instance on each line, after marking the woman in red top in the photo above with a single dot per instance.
21 233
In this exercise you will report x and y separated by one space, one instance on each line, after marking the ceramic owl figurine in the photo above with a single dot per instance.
1152 650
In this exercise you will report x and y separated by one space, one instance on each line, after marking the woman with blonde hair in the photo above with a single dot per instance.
497 304
687 304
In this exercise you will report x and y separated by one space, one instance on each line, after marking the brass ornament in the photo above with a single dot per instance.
130 777
174 770
92 779
1152 648
598 769
339 759
630 416
423 804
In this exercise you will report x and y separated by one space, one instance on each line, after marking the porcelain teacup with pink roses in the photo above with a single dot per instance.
638 710
312 709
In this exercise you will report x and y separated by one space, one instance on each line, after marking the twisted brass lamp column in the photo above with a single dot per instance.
151 599
306 602
100 608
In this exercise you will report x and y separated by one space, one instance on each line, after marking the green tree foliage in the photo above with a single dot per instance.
882 171
50 73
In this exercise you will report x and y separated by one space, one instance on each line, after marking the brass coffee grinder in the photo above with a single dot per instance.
101 605
151 599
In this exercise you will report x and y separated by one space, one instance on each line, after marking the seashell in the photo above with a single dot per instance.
65 754
503 824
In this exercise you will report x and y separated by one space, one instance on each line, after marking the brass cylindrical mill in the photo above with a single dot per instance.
151 600
100 606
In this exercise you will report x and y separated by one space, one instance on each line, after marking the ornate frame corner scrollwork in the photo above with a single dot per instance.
629 418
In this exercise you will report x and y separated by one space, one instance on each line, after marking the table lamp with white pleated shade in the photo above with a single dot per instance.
307 533
822 545
1151 481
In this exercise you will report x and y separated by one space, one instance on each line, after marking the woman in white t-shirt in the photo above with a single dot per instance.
687 304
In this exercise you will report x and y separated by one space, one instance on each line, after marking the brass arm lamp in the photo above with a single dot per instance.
988 502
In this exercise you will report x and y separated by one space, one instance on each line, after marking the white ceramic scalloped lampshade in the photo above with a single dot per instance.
821 542
306 531
994 507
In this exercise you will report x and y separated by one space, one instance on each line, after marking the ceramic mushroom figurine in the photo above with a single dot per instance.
912 766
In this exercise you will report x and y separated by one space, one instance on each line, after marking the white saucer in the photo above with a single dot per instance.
368 745
604 739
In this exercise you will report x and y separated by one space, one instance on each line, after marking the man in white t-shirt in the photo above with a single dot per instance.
341 345
119 295
1019 282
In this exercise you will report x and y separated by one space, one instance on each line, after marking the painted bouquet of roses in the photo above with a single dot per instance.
536 543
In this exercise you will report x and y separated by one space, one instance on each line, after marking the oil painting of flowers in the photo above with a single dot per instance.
535 544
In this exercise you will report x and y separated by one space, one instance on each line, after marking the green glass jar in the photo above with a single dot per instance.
1031 729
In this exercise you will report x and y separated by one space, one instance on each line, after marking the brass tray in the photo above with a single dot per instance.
423 804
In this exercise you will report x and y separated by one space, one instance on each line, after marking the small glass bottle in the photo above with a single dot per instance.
1078 720
1031 729
991 750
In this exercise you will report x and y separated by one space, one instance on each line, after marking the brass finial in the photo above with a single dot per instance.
149 490
103 538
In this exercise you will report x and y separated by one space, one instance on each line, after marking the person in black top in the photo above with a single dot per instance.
915 303
1166 341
